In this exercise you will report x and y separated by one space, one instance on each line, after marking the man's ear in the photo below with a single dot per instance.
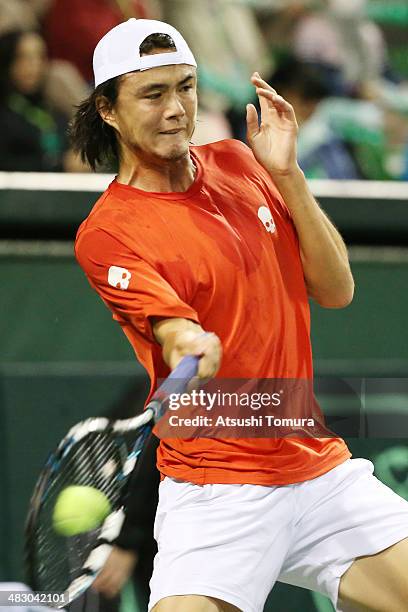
106 111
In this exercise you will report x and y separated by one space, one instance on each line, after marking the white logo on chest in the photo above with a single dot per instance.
264 214
119 277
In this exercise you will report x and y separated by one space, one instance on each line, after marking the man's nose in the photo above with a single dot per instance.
174 107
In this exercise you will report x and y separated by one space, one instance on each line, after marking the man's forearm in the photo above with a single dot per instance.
324 255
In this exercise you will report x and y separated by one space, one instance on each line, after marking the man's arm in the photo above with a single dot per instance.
324 255
273 142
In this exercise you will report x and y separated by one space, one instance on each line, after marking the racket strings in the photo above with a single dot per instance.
97 457
96 460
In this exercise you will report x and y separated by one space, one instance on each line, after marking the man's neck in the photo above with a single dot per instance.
160 177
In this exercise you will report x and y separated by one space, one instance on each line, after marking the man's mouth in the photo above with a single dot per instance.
175 131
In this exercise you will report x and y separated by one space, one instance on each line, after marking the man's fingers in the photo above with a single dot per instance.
273 97
258 81
273 103
266 107
206 345
266 91
252 121
209 348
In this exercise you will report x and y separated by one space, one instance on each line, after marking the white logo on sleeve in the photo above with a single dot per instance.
119 277
264 214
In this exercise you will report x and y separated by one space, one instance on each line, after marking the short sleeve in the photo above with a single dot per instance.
130 286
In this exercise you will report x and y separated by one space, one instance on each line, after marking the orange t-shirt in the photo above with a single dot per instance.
225 254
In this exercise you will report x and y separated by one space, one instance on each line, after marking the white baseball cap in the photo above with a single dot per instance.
118 51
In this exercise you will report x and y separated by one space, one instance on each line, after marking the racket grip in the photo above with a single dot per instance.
186 369
176 382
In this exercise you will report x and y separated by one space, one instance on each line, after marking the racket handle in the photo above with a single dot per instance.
186 370
176 382
178 379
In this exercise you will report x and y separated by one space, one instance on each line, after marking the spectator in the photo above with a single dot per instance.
72 28
339 36
64 87
21 14
33 137
322 151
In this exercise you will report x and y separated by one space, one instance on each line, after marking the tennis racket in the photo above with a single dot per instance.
100 453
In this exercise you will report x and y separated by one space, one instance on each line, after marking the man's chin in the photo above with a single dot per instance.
174 153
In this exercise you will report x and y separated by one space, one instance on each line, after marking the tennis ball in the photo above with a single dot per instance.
79 509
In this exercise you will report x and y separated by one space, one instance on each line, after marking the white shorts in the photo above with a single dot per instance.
233 542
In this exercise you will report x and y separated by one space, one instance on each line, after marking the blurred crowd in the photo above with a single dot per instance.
341 63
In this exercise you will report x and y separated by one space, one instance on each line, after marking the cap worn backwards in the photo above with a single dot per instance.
118 52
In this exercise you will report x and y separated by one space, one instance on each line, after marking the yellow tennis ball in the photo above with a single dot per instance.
79 509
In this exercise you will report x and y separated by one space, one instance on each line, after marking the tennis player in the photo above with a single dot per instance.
228 240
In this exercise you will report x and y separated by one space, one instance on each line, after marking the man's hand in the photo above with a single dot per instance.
180 337
273 142
116 572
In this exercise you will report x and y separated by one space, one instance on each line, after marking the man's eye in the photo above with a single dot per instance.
154 96
187 87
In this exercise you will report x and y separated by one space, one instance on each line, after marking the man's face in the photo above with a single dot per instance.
155 111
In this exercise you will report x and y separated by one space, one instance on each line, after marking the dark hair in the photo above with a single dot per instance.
9 42
308 80
90 135
156 41
8 49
